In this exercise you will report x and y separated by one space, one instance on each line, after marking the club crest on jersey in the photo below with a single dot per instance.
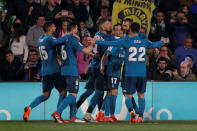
110 48
41 40
137 41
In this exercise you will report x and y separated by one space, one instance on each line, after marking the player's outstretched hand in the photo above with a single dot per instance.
97 38
76 36
164 40
91 40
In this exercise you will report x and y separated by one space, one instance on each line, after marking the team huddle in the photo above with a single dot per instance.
124 49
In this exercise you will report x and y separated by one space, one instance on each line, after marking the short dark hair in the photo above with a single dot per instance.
135 27
101 21
47 25
116 25
105 7
39 15
8 52
33 50
71 26
162 59
65 19
127 20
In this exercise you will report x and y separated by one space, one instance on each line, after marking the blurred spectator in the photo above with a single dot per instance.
11 67
90 24
105 13
180 28
193 7
184 73
168 6
186 2
35 32
18 44
52 11
82 30
104 3
3 42
165 53
83 61
191 62
25 10
158 27
187 49
63 31
162 73
185 10
31 70
79 10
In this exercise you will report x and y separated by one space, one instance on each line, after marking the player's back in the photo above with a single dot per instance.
135 49
115 61
100 48
69 57
48 55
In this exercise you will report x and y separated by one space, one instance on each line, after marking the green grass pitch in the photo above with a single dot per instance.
120 126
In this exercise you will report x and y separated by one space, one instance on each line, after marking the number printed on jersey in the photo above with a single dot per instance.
43 53
137 54
63 53
137 41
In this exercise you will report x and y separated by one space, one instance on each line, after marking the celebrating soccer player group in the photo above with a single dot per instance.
124 49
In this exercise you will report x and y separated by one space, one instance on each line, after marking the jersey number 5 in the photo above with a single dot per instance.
43 53
134 51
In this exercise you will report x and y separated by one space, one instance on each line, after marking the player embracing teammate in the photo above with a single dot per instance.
105 70
135 67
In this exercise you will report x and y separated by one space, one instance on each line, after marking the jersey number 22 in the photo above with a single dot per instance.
134 51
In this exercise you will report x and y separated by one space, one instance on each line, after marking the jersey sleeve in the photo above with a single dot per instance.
153 44
61 40
77 45
117 43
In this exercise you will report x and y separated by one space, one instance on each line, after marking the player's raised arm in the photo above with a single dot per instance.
103 59
88 50
109 43
156 44
56 41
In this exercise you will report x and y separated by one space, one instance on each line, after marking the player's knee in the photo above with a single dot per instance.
74 94
140 95
128 95
114 92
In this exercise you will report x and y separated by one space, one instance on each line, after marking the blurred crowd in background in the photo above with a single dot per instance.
22 24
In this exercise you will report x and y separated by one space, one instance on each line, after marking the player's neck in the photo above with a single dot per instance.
133 34
49 33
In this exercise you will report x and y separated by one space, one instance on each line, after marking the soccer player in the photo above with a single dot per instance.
69 71
114 57
105 29
50 69
126 28
135 67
